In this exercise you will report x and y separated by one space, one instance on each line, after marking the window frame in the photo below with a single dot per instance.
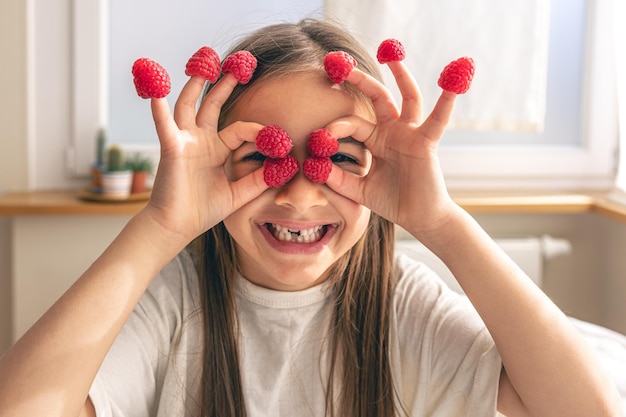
590 165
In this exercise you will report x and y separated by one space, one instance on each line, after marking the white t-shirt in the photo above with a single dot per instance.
443 360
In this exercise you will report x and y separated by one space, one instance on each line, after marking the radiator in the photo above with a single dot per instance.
530 253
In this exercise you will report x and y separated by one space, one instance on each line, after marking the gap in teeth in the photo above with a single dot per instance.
285 234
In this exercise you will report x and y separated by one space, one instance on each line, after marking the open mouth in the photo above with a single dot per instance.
308 235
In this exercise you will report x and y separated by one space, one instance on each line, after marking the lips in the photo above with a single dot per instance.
289 234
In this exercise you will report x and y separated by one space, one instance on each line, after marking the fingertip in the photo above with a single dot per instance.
160 109
440 116
229 80
356 76
193 86
446 100
448 95
335 178
238 132
396 65
250 187
259 178
331 181
356 127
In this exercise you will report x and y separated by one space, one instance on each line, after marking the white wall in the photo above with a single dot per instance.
13 158
584 284
614 261
63 247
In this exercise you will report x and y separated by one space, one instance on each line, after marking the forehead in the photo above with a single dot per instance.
298 103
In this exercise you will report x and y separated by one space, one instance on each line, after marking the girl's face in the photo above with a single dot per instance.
287 238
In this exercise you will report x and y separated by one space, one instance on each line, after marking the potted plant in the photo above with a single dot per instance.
141 167
99 166
117 179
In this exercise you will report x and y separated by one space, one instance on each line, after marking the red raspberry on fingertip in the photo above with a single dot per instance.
338 65
390 50
241 64
273 141
150 78
205 62
457 76
278 172
317 169
322 143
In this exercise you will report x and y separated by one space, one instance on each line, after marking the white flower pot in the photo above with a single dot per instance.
117 184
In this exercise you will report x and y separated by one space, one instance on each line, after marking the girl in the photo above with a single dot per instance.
249 321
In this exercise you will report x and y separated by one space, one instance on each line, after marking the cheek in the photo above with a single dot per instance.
238 224
359 216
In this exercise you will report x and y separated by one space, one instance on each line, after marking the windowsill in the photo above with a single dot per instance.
49 203
541 202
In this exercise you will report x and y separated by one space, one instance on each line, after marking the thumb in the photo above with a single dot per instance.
247 188
346 183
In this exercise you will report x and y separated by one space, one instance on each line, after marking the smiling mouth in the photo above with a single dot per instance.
308 235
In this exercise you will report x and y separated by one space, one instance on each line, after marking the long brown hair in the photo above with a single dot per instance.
359 337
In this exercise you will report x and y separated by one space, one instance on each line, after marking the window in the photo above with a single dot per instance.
585 162
106 43
476 161
619 192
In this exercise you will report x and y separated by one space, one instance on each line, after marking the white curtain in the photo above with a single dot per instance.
507 39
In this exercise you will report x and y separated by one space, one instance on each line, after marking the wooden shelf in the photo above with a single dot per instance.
62 203
524 202
69 203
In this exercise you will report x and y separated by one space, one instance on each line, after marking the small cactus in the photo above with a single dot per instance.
116 159
100 143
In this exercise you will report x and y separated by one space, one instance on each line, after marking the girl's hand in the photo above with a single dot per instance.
405 184
191 191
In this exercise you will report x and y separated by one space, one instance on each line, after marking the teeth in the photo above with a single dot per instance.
285 234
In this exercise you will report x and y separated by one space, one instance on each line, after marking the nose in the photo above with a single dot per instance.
301 194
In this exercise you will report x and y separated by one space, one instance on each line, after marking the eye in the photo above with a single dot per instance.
340 158
253 157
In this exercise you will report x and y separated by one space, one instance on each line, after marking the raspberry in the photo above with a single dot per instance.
322 143
457 76
241 64
150 78
204 63
278 172
339 65
317 169
273 142
390 50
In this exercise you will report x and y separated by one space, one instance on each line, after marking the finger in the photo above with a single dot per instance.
384 106
185 107
248 188
353 126
436 123
166 127
209 111
238 132
411 95
346 183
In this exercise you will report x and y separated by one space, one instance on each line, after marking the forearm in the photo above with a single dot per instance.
546 361
50 369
